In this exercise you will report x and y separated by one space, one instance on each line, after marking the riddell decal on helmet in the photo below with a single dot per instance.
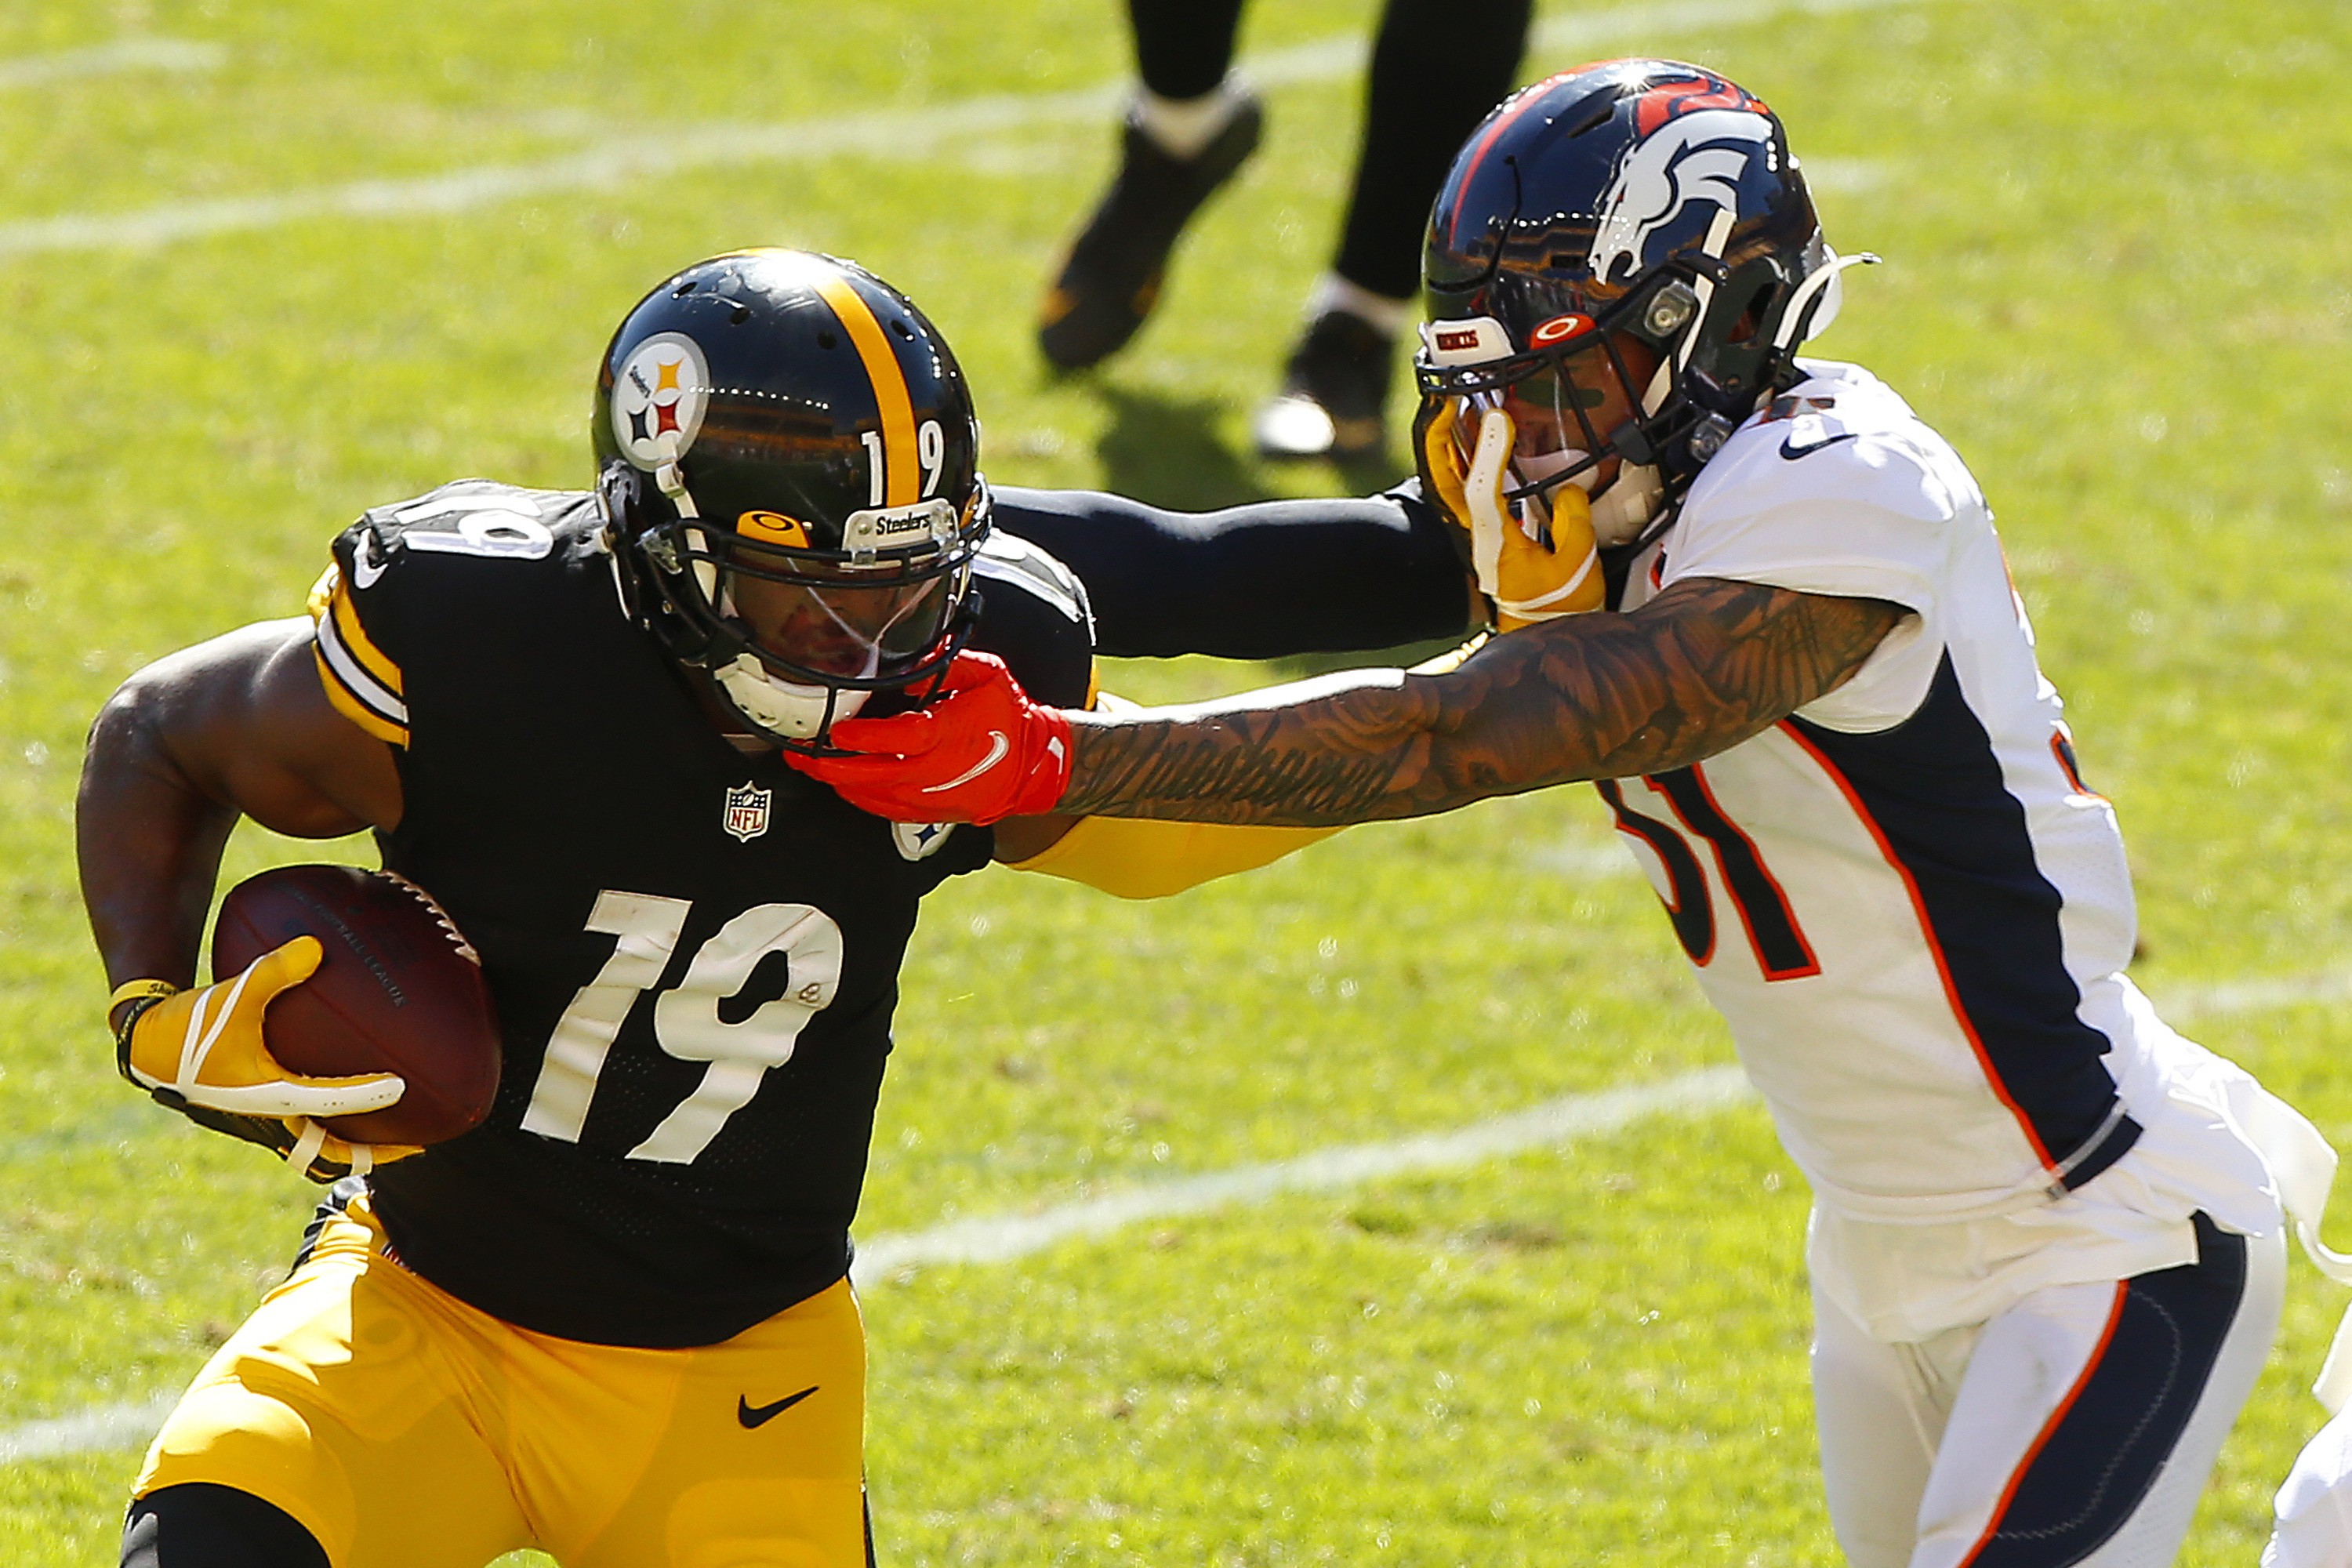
661 391
1695 157
1560 329
1471 340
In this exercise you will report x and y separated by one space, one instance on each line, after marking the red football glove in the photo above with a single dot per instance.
979 753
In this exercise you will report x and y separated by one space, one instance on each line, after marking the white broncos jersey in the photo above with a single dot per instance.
1910 908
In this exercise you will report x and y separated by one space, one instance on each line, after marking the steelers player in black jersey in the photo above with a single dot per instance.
614 1322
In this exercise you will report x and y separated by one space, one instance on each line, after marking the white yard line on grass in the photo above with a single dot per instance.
1003 1239
111 59
889 133
100 1429
2229 996
990 1238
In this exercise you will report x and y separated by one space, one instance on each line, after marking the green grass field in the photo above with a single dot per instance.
2120 248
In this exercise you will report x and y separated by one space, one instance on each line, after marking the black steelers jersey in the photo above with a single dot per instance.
693 952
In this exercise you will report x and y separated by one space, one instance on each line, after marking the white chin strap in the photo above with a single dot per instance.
788 709
1826 284
1621 512
785 708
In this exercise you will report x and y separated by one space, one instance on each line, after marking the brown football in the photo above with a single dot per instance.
398 990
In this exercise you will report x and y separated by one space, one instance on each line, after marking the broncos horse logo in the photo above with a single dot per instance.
1697 137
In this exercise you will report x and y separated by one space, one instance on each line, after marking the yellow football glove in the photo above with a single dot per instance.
201 1053
1529 576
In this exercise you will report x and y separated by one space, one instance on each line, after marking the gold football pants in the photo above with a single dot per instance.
404 1429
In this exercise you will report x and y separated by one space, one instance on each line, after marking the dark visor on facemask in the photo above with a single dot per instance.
840 628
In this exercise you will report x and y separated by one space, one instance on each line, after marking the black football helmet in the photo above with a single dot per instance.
1634 199
789 472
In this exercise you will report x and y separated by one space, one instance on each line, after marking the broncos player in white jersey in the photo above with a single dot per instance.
2047 1246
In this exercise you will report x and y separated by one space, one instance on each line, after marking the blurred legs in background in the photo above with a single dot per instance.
1436 69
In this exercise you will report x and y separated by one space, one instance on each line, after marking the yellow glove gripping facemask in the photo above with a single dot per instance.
1528 576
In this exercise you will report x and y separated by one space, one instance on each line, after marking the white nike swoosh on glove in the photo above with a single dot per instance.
999 748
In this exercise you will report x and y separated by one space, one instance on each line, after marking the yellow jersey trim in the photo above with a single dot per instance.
1135 857
364 685
353 632
351 707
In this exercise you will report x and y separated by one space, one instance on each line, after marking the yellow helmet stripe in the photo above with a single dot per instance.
857 319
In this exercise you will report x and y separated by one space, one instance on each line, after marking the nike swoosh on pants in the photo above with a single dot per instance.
755 1415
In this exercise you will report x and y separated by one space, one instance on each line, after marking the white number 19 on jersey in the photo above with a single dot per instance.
687 1021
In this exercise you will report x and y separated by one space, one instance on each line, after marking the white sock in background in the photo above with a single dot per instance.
1332 292
1183 126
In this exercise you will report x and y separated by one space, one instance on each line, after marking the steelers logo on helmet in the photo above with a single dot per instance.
661 391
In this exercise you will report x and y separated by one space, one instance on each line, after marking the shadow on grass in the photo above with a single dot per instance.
1164 450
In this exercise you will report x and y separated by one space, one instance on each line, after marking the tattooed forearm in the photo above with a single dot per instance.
1700 668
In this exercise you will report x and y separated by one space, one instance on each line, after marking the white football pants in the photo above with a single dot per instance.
2078 1426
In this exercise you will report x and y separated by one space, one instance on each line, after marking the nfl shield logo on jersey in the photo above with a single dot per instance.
747 811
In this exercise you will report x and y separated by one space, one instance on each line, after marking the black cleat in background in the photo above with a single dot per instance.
1335 392
1112 278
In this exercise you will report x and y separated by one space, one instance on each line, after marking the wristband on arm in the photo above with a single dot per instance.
122 1015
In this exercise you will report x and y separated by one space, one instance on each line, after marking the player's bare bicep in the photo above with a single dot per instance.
245 721
329 753
1707 664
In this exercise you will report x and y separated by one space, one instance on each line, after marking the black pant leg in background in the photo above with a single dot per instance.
1438 68
1183 47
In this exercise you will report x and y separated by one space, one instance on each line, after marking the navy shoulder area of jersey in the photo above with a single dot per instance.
421 568
1034 615
466 519
464 562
